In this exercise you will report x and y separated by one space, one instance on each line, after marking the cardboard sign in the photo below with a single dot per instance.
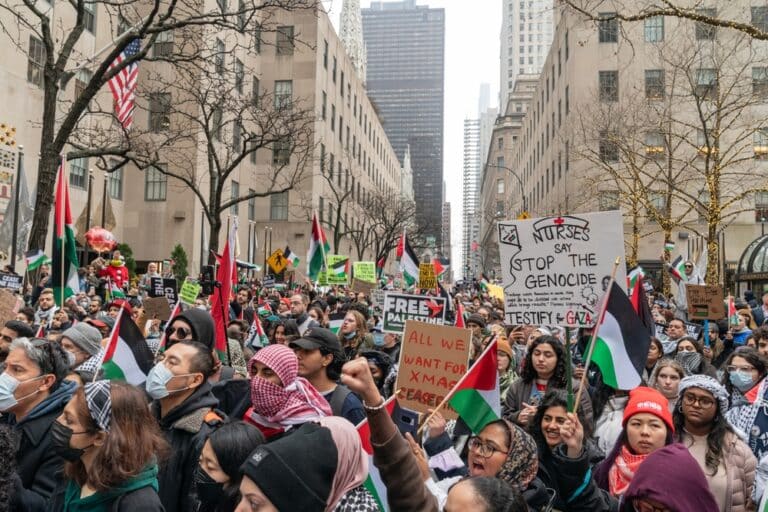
364 271
359 286
427 279
399 307
163 287
377 297
432 359
277 261
705 302
337 269
9 305
189 292
555 269
11 281
156 308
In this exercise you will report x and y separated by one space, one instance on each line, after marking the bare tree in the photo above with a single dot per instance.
59 35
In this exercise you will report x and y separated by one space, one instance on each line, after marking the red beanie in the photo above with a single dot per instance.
644 399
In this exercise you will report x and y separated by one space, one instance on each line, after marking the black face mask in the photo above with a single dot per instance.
60 438
208 490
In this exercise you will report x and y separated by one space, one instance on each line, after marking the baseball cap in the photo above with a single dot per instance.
318 337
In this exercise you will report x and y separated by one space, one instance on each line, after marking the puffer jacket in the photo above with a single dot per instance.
740 464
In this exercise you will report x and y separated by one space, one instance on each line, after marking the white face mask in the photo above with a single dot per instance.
157 381
8 385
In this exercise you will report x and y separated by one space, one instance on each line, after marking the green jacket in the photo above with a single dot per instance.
102 501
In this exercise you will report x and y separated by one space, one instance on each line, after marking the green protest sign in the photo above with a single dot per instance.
364 271
189 292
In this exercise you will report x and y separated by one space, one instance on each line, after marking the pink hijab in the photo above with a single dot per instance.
295 402
352 466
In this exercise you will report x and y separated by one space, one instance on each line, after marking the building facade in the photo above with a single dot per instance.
470 201
405 44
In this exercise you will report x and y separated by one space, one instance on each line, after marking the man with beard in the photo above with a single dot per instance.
299 305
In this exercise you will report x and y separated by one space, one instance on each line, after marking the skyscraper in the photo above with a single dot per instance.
351 34
526 35
470 201
405 44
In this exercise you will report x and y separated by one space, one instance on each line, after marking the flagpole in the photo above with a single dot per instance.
322 242
63 177
588 360
15 235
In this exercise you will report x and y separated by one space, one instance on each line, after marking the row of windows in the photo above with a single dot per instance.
78 177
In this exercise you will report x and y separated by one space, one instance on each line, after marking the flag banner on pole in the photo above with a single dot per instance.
64 279
334 321
127 356
26 211
292 258
460 317
221 296
640 304
669 245
409 263
632 277
256 337
374 484
622 342
677 269
34 259
123 84
318 248
476 396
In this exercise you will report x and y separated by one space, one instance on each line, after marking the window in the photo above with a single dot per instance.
760 139
321 208
761 206
335 65
251 205
241 16
658 201
705 32
609 85
324 106
239 75
706 83
155 183
501 143
115 183
82 78
705 143
257 39
35 61
608 28
283 93
703 205
281 152
499 186
654 29
123 25
78 173
760 18
237 139
607 148
217 122
163 46
566 45
654 84
322 158
654 144
285 40
255 92
760 82
218 58
567 100
278 206
325 59
341 86
500 162
500 209
234 195
333 118
609 200
89 16
159 112
341 128
253 151
222 5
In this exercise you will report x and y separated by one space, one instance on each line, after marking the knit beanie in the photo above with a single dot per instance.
706 383
476 319
503 345
86 337
648 400
296 472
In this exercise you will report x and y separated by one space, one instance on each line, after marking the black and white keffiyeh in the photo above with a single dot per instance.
99 401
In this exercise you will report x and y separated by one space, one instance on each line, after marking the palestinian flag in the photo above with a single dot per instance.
476 396
374 483
632 277
264 310
733 315
127 355
334 321
622 342
677 269
114 291
640 305
256 337
291 257
439 268
318 248
460 317
380 266
65 282
35 259
219 311
409 263
340 268
174 313
669 245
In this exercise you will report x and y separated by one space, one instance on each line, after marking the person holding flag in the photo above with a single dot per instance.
682 272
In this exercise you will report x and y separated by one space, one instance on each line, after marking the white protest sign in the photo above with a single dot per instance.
556 269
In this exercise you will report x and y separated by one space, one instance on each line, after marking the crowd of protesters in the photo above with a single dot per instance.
272 426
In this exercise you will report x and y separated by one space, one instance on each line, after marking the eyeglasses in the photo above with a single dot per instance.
484 450
688 266
746 369
640 505
703 401
182 332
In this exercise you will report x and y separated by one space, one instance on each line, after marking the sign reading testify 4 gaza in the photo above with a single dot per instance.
398 308
556 269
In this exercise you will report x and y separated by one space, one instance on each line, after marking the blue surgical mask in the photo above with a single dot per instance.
8 385
741 380
157 381
350 335
378 339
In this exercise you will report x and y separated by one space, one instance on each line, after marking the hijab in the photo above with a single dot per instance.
352 467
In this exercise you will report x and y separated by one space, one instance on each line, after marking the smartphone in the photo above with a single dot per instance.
406 420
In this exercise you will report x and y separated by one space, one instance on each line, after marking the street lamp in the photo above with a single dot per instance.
519 181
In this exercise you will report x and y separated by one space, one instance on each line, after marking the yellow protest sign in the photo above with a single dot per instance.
277 261
496 291
427 278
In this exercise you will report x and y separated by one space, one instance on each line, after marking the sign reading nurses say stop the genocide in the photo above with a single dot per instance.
556 269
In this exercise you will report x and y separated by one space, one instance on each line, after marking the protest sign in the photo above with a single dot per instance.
10 281
9 305
364 271
427 279
277 261
432 359
377 297
156 308
555 269
399 307
338 266
189 292
692 330
705 302
359 286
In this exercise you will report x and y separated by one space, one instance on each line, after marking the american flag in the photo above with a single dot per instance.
123 84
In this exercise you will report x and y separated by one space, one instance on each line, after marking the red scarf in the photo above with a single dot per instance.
623 469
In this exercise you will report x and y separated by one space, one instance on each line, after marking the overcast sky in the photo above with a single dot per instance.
471 58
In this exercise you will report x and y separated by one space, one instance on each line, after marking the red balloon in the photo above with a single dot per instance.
100 239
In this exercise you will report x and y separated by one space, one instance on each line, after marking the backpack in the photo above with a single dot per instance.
337 398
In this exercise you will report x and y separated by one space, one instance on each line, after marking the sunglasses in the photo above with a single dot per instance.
182 332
